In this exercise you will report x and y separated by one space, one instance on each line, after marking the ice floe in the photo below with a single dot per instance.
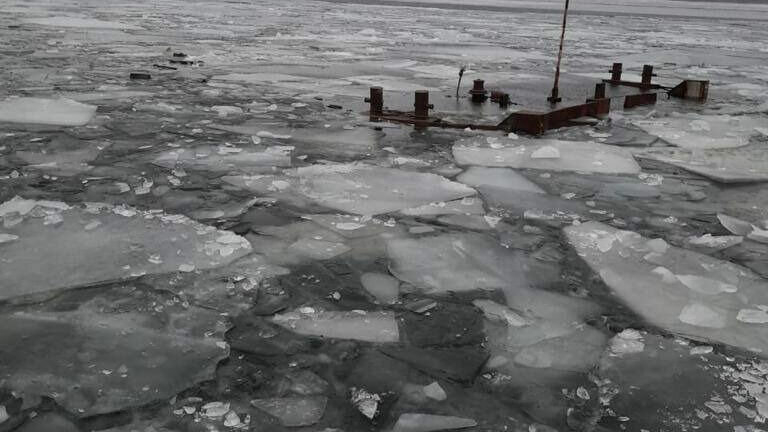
126 243
86 358
56 112
676 289
573 156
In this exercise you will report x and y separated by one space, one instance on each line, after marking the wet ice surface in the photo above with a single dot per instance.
232 245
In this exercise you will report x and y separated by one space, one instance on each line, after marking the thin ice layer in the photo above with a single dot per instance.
357 325
696 131
357 188
226 158
56 112
724 166
676 289
538 154
61 246
117 349
504 178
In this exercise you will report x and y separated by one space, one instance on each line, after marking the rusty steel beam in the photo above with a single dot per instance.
691 89
631 101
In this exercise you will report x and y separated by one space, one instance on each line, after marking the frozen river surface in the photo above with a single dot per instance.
233 245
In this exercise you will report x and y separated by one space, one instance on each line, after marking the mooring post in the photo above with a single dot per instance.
599 91
647 75
478 92
616 72
422 105
377 102
555 96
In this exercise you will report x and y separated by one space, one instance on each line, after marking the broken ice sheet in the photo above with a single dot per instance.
56 112
294 411
676 289
368 326
573 156
695 131
226 159
429 422
126 243
358 188
116 348
664 386
497 177
736 165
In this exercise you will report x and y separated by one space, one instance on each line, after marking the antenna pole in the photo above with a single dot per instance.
555 98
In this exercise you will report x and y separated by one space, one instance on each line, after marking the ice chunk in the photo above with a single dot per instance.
294 412
130 346
453 262
503 178
434 391
695 131
715 243
57 112
575 156
75 256
361 189
318 249
704 301
702 315
429 423
383 287
753 316
734 225
628 341
466 206
497 312
357 325
80 22
226 159
546 152
724 165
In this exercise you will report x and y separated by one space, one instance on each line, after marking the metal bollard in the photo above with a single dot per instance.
599 91
377 102
647 75
422 105
616 72
478 92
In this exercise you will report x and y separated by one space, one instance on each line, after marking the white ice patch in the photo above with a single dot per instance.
574 156
56 112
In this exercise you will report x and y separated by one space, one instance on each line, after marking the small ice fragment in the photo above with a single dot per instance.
186 268
706 286
546 152
7 238
734 225
427 423
383 287
701 350
582 393
496 312
666 275
365 402
231 419
629 341
215 409
434 391
753 316
701 315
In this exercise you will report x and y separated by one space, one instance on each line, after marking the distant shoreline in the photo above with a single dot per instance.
522 9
